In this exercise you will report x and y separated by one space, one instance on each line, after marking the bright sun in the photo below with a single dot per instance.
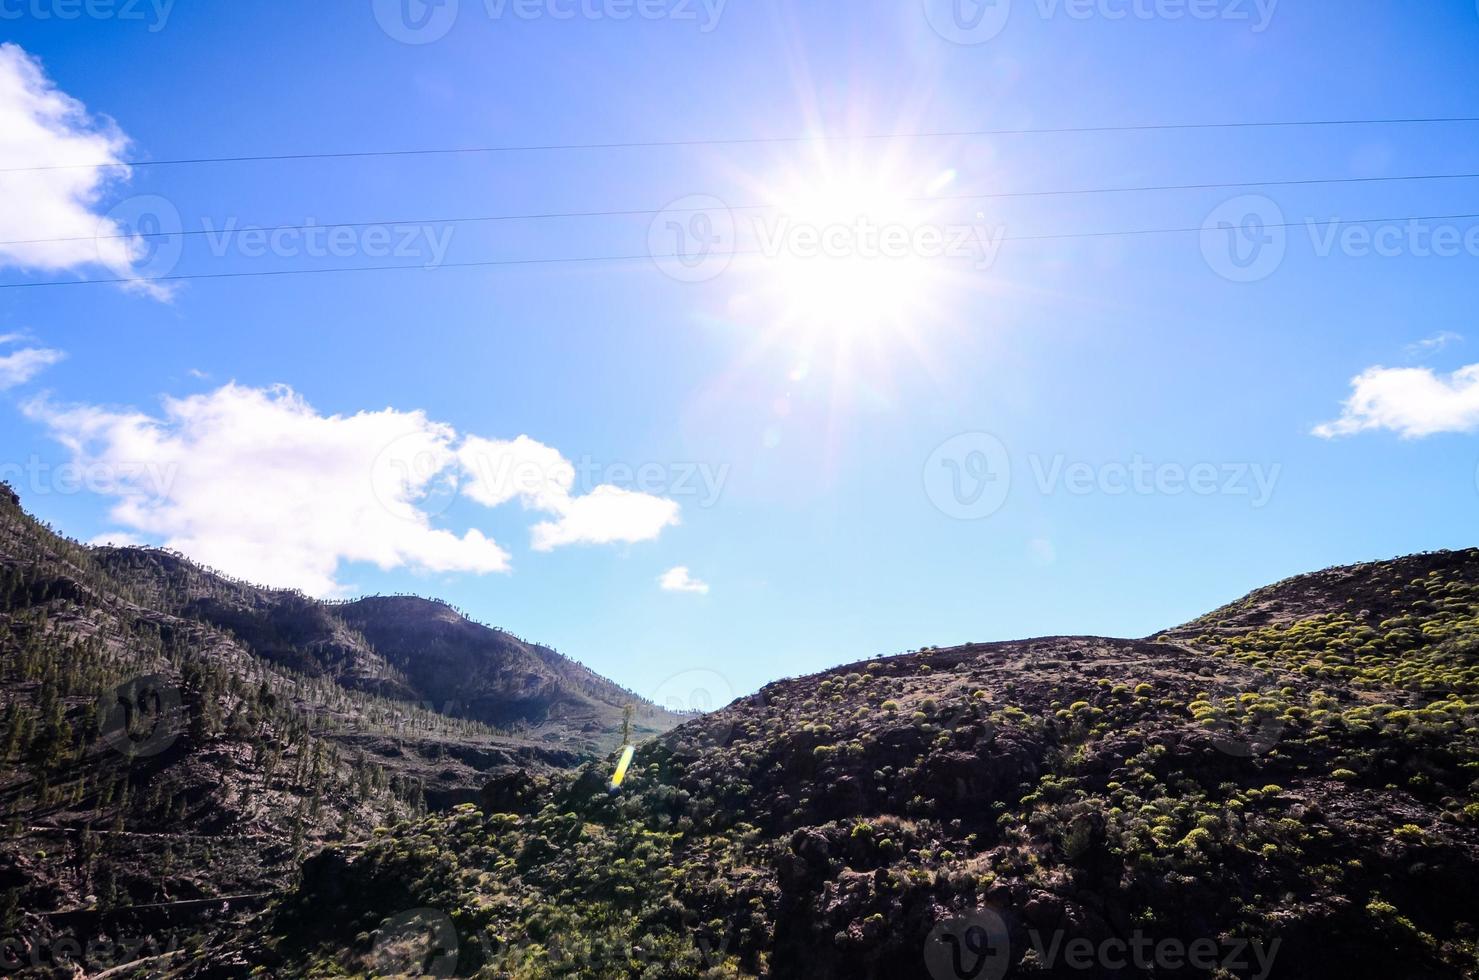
851 254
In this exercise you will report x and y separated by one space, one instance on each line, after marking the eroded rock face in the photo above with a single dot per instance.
509 793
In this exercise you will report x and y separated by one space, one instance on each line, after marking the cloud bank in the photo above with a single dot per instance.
257 483
41 126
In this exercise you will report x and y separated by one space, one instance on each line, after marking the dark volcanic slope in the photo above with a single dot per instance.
403 647
467 669
1372 592
1289 786
170 739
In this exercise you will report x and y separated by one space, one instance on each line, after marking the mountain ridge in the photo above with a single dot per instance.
1295 774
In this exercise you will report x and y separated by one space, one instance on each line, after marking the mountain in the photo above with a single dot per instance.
403 647
1285 788
174 742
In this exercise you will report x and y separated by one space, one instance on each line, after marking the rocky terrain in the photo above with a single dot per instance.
1285 788
173 743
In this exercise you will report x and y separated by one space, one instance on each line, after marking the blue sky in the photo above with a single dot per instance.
835 532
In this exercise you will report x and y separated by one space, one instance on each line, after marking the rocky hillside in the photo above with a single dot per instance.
402 647
173 744
1287 788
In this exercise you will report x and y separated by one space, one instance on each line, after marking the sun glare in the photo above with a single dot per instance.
850 254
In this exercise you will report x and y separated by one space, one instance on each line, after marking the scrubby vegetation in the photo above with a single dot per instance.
1297 770
169 738
1307 783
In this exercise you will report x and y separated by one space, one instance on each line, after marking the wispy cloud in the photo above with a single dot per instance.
1433 344
679 579
1413 402
18 367
524 469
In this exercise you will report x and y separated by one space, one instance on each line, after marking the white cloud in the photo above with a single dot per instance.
1433 344
21 366
498 471
1414 402
259 484
41 126
607 515
541 479
680 580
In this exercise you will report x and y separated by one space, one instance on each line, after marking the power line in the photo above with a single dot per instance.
648 212
753 141
571 260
